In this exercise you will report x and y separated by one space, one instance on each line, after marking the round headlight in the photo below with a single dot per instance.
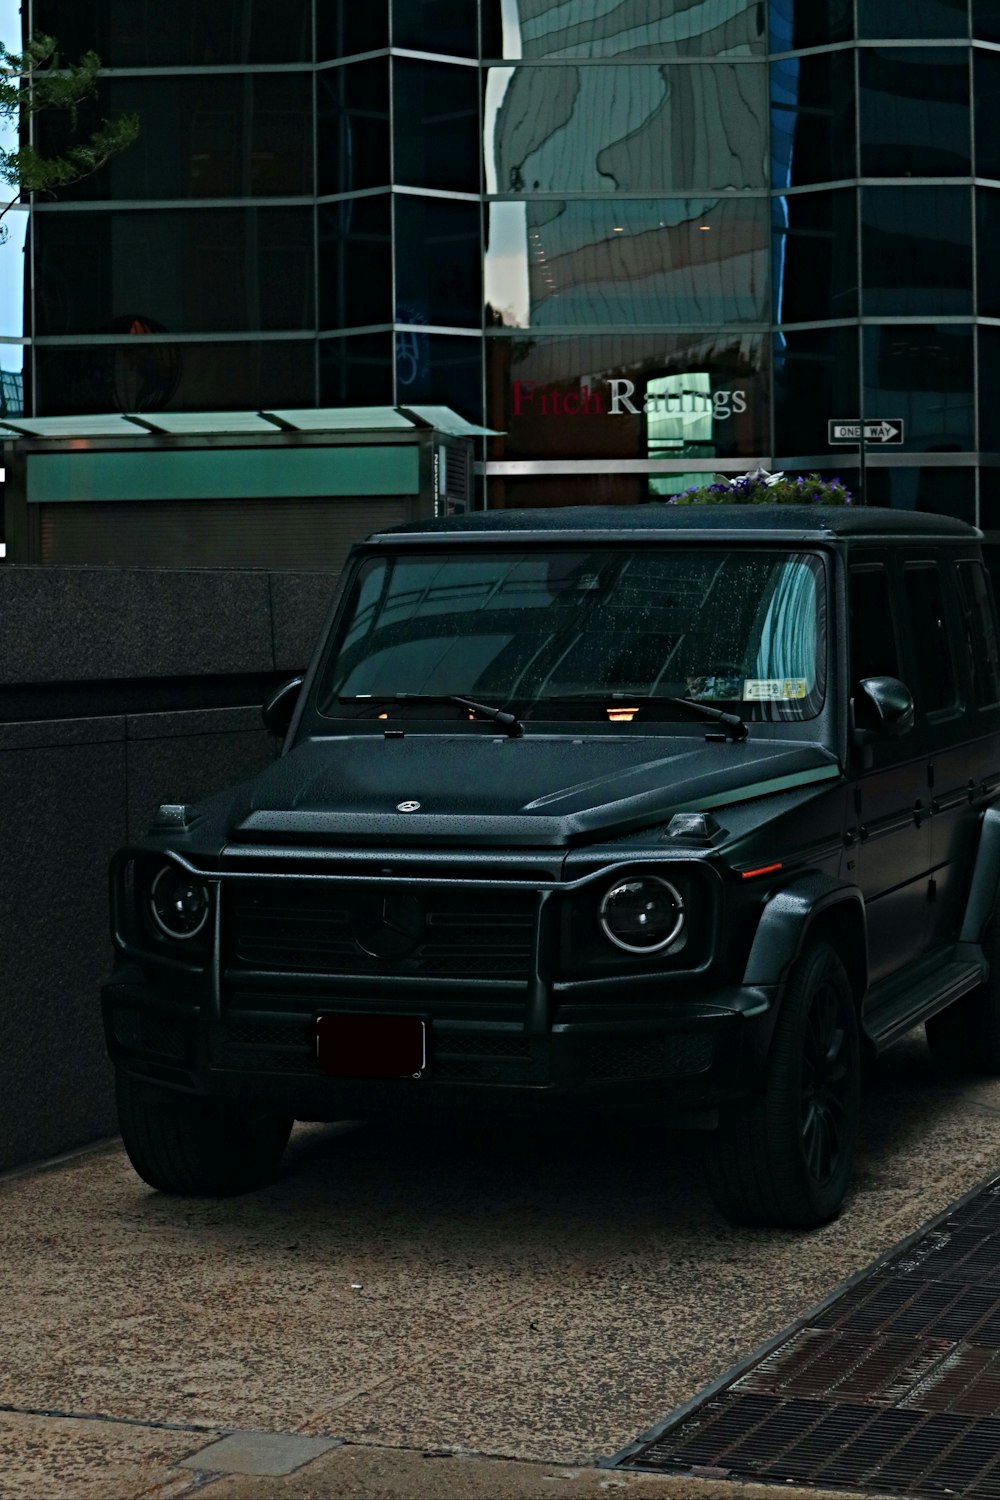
179 903
642 916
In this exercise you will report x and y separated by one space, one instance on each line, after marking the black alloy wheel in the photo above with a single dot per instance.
783 1159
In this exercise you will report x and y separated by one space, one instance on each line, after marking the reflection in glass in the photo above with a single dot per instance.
987 84
625 129
438 262
914 21
815 259
988 262
11 380
816 380
810 23
188 270
590 396
151 33
245 376
989 383
625 28
203 136
352 127
440 369
344 27
627 261
916 245
14 280
812 119
355 262
356 371
986 20
922 375
945 491
446 26
914 112
436 113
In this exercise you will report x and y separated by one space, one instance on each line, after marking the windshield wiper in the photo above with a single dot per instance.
733 724
509 722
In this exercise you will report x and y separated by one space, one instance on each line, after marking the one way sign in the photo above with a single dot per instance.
887 430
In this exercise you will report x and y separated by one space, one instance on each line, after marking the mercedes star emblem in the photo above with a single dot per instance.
407 806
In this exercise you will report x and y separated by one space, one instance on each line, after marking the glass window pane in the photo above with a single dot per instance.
810 23
812 119
436 110
661 396
944 492
932 655
917 250
913 21
151 33
450 26
433 369
915 112
355 262
15 294
625 129
988 262
987 84
986 20
12 380
874 652
344 27
356 371
182 270
816 381
202 136
989 383
980 632
627 261
633 28
922 375
815 261
438 262
136 377
352 127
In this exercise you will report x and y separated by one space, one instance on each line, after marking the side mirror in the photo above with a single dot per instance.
278 709
883 709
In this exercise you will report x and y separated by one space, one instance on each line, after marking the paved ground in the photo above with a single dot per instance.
525 1307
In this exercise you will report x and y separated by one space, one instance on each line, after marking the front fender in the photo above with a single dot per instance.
788 918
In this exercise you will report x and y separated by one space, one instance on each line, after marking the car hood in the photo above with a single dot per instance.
540 790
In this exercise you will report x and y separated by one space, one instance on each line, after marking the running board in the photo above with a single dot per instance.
907 1005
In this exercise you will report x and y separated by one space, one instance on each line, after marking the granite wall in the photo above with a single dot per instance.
119 689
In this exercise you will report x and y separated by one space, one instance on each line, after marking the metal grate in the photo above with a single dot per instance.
893 1386
649 1054
314 928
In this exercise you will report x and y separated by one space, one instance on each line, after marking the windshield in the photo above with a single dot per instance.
723 626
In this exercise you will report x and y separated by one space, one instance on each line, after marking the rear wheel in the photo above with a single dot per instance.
198 1147
966 1037
784 1158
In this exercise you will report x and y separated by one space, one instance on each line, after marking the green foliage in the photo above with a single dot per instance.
768 489
36 80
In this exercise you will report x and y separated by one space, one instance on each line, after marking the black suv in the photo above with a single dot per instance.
682 807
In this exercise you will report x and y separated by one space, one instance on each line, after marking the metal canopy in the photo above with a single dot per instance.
246 423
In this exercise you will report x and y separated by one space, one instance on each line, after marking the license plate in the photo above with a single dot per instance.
371 1046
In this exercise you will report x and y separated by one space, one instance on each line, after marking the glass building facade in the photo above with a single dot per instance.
645 240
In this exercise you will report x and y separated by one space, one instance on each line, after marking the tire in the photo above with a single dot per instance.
198 1147
965 1038
783 1159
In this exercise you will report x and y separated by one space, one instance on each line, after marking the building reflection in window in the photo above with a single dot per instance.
632 28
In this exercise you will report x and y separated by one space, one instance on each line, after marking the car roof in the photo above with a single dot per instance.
776 522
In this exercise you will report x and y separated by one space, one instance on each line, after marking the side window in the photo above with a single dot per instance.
874 652
980 632
936 688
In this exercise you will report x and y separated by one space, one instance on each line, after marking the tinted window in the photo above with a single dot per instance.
988 263
810 23
930 643
816 379
922 375
913 20
987 84
812 119
625 129
436 110
355 262
440 369
438 262
356 371
626 262
450 26
917 250
344 27
914 112
986 20
815 261
980 631
873 631
353 146
989 383
154 33
670 28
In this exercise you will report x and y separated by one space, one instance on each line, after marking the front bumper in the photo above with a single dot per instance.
683 1057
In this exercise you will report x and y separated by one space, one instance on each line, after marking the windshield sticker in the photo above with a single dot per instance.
775 689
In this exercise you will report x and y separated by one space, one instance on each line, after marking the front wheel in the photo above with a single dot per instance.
783 1159
198 1147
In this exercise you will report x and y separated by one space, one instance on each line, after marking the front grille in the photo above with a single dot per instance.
646 1055
315 927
